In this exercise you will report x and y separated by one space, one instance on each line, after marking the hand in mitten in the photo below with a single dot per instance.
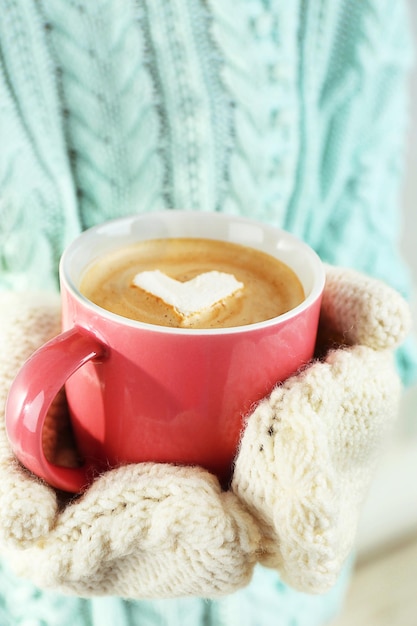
309 450
139 531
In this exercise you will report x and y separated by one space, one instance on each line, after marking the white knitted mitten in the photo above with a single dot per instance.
140 531
304 464
308 452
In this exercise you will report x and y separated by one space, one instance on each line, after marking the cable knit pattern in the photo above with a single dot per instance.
34 169
108 105
269 109
353 109
262 87
179 48
147 531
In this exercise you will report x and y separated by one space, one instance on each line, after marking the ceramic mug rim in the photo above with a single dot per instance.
122 224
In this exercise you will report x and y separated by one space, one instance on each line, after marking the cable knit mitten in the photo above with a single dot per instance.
304 464
140 531
309 450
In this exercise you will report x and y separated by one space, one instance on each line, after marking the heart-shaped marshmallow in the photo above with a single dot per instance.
191 297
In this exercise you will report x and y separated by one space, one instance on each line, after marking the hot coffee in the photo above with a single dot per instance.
146 392
268 287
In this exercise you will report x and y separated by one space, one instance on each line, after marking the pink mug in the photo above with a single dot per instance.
138 392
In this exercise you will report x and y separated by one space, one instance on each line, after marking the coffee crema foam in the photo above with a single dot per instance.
270 287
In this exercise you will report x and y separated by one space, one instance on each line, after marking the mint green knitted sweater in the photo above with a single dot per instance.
289 112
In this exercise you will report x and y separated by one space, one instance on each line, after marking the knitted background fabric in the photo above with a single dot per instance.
287 112
252 107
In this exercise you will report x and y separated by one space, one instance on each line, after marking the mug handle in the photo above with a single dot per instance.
31 394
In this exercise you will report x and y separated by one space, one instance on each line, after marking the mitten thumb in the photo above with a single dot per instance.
358 309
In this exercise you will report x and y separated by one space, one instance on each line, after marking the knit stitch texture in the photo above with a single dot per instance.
308 452
288 112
